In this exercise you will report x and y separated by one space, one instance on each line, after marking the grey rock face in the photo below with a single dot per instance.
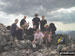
8 47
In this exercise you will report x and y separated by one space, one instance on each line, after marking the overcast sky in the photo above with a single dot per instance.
60 12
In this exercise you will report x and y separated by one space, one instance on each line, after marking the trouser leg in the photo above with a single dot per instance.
37 26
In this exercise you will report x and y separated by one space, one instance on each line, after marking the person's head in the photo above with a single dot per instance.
16 21
36 15
43 17
8 27
37 30
51 24
24 17
34 26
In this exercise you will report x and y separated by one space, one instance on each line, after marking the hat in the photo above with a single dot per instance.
46 25
36 14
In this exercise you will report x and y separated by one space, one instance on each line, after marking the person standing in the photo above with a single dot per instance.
42 23
36 21
23 23
52 28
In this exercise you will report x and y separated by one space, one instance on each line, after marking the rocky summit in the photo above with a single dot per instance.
10 48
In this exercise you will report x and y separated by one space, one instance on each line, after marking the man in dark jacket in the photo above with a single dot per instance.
14 28
36 21
31 32
23 23
16 31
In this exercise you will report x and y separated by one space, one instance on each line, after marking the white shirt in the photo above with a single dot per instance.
38 35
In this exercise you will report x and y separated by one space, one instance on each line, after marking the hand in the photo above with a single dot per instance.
33 41
50 33
17 28
28 22
49 39
32 22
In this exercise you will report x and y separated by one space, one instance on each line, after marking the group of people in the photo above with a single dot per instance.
34 34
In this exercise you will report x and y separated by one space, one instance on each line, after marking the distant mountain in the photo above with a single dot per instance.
69 33
72 34
61 32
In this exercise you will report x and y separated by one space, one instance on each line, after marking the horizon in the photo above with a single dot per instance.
60 26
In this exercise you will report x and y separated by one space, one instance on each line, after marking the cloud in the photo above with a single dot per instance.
63 15
42 7
8 19
29 7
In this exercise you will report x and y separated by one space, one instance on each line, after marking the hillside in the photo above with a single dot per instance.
10 48
71 34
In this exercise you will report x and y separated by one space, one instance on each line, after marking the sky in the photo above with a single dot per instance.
60 12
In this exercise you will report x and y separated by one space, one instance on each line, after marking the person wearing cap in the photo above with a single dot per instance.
46 27
36 21
42 23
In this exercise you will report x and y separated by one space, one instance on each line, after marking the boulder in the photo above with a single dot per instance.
8 47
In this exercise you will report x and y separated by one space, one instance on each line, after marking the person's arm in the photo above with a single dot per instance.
42 35
17 28
39 20
28 23
55 28
24 21
34 38
46 21
33 21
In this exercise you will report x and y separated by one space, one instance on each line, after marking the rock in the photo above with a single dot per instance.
64 49
53 52
8 27
8 47
59 47
73 47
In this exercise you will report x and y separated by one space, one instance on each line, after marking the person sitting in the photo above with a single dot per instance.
16 31
38 37
47 38
26 30
45 33
31 32
51 32
46 27
60 39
